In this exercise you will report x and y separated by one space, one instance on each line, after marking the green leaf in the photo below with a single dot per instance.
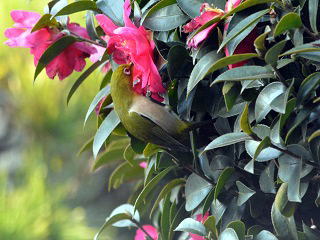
251 146
314 135
112 220
165 217
244 121
44 21
282 203
231 92
222 180
164 16
150 186
308 47
192 226
273 53
104 131
265 143
266 179
245 73
259 42
283 226
75 7
227 139
53 51
228 234
279 104
100 95
244 193
313 12
192 7
208 201
244 28
150 150
210 225
287 22
178 57
239 228
129 155
165 190
124 173
266 96
113 9
83 77
265 235
308 85
127 209
86 146
108 157
196 190
201 69
90 26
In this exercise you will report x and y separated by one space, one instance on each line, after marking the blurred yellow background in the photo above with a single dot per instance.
46 190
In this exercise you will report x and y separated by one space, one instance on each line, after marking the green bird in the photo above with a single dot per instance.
145 119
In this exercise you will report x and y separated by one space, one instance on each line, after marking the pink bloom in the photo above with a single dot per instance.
132 44
231 4
200 218
207 14
152 231
143 164
72 58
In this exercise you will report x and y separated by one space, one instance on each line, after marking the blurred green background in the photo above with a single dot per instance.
47 191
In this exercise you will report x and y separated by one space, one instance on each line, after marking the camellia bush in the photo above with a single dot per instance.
215 111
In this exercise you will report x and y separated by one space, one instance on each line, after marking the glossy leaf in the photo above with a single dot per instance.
104 131
307 86
245 27
222 180
53 51
313 12
112 9
239 228
196 190
45 21
75 7
244 192
127 209
165 190
228 234
273 53
191 226
244 121
150 186
245 73
289 21
282 202
164 16
100 95
265 235
266 179
227 139
266 96
279 104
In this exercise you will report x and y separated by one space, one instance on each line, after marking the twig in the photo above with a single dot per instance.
139 226
88 40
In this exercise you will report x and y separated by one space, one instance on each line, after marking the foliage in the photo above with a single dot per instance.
256 167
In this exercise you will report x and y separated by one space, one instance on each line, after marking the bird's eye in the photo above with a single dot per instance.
126 71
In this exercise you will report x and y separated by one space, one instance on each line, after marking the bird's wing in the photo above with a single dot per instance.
158 114
163 124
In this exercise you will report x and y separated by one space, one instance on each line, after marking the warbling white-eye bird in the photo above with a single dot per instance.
145 119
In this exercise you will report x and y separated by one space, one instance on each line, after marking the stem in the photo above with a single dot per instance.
140 227
103 44
314 36
280 77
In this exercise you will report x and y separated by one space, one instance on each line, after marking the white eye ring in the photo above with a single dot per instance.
126 71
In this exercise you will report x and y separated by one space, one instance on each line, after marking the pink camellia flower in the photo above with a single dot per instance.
130 44
143 164
200 218
152 231
207 14
72 58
